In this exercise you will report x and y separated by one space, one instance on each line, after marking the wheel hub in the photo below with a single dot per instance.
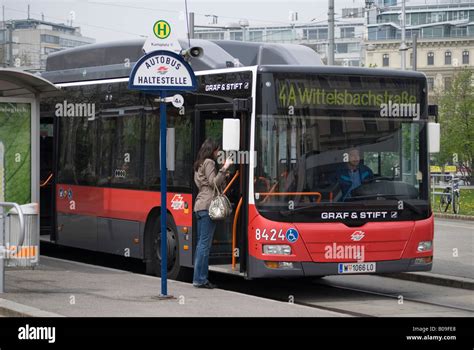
171 247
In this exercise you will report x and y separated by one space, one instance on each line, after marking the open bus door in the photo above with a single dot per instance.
47 195
228 238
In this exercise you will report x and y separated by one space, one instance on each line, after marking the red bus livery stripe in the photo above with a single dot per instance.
119 203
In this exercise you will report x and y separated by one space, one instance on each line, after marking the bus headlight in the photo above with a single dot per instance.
277 249
425 246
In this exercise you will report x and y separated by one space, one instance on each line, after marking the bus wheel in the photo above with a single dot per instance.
153 265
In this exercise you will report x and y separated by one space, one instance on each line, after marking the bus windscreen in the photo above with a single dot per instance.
331 148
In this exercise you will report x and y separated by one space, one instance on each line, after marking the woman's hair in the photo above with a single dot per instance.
206 151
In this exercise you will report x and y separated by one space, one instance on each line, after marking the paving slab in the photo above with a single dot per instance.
66 288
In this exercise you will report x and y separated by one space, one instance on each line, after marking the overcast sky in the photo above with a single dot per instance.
108 20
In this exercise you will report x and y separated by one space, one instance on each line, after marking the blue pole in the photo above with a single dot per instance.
164 238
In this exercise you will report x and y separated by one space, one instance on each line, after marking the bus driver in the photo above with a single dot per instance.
353 174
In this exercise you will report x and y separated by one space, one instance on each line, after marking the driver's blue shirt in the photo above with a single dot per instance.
350 180
355 179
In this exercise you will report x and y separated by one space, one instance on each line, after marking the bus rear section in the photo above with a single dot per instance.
105 158
107 168
341 181
298 208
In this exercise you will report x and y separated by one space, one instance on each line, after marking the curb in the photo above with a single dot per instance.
431 278
11 309
454 216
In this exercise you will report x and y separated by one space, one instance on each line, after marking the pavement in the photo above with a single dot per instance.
64 288
454 248
454 216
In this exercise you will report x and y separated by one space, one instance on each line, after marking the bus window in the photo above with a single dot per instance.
152 152
107 132
77 151
126 155
384 164
213 128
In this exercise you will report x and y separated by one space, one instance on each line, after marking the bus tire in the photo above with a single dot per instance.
153 261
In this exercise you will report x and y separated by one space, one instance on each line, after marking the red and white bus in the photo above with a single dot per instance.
300 124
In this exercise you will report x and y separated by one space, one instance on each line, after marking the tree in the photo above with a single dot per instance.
456 112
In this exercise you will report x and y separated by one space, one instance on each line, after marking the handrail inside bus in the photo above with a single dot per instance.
50 176
236 216
275 185
234 232
272 190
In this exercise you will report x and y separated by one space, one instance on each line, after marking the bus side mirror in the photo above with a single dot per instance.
231 134
434 137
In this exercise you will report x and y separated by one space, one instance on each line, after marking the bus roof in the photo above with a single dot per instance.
115 59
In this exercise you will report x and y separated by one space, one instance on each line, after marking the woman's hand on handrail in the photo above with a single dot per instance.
231 181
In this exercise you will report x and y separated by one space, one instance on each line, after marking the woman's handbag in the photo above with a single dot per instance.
220 206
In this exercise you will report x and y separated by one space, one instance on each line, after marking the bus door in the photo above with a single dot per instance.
47 195
209 123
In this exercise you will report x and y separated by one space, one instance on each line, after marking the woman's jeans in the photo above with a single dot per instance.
205 233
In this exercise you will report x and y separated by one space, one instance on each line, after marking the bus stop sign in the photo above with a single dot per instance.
160 71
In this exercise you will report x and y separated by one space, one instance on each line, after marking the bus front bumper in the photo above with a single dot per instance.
258 269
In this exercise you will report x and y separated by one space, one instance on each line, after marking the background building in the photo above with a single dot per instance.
26 43
349 32
445 31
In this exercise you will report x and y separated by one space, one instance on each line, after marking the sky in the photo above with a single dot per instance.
109 20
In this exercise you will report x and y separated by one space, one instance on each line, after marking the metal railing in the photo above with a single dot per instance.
6 250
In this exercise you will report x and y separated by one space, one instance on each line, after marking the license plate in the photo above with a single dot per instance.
357 267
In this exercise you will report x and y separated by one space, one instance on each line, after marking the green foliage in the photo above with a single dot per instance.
467 202
456 109
15 128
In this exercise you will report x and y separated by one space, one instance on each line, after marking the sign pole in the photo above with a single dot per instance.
164 70
163 166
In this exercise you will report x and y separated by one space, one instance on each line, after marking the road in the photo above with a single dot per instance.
381 296
362 295
454 248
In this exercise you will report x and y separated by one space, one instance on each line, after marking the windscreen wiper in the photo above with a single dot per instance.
412 207
290 211
406 204
370 196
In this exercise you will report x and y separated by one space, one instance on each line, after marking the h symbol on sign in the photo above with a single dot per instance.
162 29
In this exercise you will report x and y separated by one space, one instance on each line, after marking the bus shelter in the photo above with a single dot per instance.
19 167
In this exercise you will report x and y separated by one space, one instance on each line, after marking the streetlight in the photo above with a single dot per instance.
244 23
403 45
293 17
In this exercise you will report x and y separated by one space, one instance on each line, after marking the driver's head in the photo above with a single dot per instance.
354 157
